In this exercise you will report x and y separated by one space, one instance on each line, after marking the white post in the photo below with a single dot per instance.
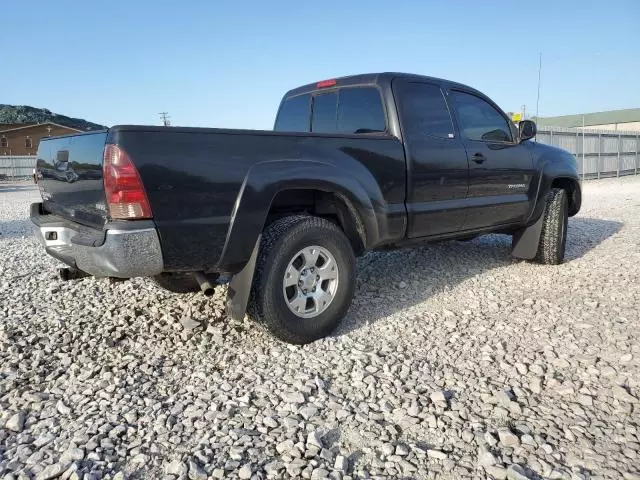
576 149
637 148
619 146
599 153
583 157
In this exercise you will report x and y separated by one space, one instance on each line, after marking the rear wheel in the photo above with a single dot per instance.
304 279
553 238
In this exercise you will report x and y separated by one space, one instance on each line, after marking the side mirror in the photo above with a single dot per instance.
527 129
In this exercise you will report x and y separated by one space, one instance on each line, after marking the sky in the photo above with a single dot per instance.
216 63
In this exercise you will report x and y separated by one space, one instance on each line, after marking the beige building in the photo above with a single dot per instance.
627 120
23 138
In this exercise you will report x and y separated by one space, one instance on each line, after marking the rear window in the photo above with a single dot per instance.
323 119
294 114
349 110
360 111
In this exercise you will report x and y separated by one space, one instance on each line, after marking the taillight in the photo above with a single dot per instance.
123 188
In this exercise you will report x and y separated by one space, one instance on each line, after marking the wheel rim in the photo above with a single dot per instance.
310 281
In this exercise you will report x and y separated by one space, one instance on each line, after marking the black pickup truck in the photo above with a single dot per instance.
354 163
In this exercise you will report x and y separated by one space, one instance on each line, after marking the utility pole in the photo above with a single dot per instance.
539 75
164 116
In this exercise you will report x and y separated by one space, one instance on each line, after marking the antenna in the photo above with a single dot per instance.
538 99
164 116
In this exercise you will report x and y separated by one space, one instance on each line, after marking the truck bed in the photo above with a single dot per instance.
193 179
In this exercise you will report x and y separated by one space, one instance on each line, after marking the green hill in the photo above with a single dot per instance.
26 114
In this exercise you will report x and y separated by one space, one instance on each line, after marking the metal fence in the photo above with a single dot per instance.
600 153
14 166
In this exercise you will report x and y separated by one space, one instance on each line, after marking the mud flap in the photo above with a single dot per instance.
525 242
240 286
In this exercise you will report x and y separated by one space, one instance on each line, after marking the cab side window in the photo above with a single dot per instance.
479 120
424 111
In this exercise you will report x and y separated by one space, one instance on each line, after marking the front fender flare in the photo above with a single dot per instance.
553 164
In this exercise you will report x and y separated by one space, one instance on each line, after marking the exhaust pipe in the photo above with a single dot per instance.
208 288
67 274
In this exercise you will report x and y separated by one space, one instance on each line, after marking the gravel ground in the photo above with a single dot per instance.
455 361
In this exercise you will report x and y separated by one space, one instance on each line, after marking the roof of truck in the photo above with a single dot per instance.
383 79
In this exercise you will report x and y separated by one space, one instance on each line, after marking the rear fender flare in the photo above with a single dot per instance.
266 179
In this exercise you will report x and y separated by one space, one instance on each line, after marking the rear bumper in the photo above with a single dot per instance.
124 249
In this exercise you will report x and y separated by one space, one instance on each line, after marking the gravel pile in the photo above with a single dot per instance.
455 361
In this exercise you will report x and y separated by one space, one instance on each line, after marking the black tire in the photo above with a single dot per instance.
553 238
281 240
177 282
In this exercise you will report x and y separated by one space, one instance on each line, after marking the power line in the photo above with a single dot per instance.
164 116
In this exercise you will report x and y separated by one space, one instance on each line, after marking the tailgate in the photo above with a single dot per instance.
69 172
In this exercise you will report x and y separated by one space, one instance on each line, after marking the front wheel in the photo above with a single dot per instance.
304 279
553 238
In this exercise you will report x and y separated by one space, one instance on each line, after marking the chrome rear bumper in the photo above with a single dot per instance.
115 252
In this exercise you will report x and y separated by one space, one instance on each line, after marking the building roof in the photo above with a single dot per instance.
9 127
595 118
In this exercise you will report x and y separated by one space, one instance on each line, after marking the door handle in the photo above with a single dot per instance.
478 158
